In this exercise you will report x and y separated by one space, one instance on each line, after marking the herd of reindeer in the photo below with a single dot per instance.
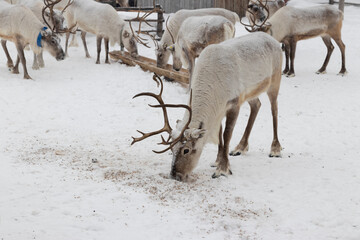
228 71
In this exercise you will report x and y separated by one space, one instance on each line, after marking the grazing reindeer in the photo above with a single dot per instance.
225 76
256 13
54 18
289 25
19 25
195 34
101 20
175 22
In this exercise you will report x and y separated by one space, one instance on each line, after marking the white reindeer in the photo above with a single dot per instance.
56 22
19 25
289 25
171 32
195 34
225 76
101 20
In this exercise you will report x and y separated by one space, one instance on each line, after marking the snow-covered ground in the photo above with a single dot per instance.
67 170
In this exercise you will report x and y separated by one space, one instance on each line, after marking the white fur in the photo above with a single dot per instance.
197 30
227 71
19 21
180 16
96 18
289 21
36 7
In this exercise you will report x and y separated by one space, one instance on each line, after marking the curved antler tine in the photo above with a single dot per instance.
166 24
136 37
166 128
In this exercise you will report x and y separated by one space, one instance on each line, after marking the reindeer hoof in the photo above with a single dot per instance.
35 67
97 62
289 75
275 154
218 173
341 73
27 77
235 153
15 71
321 72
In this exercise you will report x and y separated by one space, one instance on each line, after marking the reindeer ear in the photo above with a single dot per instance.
193 133
171 48
165 46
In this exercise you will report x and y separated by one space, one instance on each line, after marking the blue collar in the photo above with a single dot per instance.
38 40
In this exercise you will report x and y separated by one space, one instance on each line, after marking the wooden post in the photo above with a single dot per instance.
159 27
341 5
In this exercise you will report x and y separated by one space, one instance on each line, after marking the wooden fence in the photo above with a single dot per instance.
170 6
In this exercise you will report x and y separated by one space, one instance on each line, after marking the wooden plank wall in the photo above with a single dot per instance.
170 6
238 6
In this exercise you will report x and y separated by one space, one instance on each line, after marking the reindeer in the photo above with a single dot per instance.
195 34
255 12
225 76
289 25
19 25
101 20
175 22
55 20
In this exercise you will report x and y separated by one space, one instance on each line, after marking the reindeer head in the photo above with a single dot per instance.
129 41
186 153
257 12
162 52
185 143
51 43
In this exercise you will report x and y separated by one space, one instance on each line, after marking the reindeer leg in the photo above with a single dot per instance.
41 60
10 63
98 43
21 55
273 94
15 69
291 72
243 145
220 148
66 43
287 53
83 35
330 48
35 65
106 43
341 45
223 167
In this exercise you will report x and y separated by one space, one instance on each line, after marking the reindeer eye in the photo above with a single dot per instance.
186 151
160 55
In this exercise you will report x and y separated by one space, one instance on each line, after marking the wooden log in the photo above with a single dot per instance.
148 64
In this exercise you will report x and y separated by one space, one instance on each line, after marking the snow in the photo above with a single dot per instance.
67 170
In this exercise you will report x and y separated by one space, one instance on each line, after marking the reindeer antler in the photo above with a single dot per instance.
166 24
166 128
141 20
49 4
254 27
